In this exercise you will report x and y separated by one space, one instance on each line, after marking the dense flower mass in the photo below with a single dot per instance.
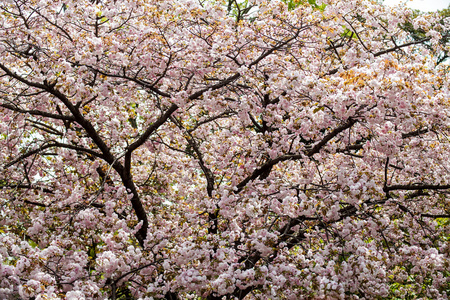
223 150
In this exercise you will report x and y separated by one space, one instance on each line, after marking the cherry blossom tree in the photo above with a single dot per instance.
215 150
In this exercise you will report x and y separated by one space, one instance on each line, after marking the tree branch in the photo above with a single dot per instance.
350 122
35 112
416 187
268 165
53 145
401 46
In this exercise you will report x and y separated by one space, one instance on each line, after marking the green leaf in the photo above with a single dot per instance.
318 109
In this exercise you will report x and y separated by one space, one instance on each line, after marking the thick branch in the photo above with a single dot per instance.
106 155
350 122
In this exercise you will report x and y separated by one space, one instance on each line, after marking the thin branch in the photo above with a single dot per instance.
193 144
416 187
269 164
219 116
45 127
275 48
29 187
65 33
152 128
356 33
52 145
414 133
263 169
37 112
133 79
215 86
434 216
